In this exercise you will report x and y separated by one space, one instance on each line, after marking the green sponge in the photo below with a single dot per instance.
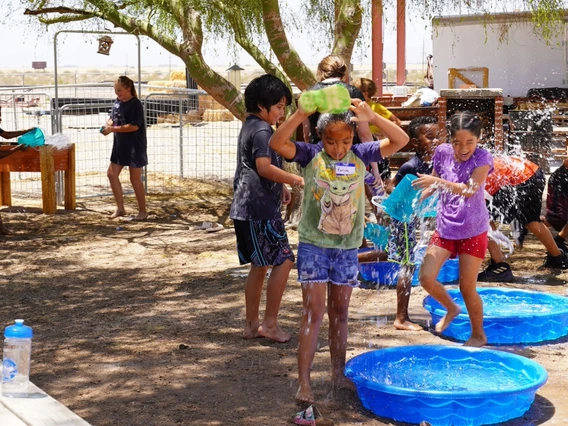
334 99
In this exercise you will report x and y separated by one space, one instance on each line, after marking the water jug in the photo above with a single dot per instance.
16 359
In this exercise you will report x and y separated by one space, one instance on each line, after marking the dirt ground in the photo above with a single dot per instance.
139 323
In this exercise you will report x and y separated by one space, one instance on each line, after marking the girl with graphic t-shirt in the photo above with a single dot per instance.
331 227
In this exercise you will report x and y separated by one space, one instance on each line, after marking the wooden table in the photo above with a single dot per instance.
37 409
46 160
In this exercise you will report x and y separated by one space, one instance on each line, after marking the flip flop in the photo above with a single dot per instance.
311 416
306 417
215 227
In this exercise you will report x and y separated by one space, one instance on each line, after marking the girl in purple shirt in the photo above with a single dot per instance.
462 222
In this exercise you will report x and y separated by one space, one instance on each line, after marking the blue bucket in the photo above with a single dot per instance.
403 203
34 137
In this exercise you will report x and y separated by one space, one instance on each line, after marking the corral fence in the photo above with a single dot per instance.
191 138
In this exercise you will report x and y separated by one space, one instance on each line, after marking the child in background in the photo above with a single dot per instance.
423 132
333 70
557 205
129 145
331 228
4 153
255 210
459 172
369 89
516 186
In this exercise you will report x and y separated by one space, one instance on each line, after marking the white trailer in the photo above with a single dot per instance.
516 58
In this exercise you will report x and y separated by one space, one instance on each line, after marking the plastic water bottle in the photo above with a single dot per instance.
16 359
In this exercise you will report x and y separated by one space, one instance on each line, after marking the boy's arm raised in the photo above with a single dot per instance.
280 140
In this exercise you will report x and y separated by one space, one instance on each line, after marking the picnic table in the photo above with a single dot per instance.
38 409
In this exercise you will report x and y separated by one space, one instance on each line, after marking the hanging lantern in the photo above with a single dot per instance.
105 42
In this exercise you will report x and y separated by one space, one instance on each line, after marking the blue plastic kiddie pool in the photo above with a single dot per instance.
509 316
445 385
386 273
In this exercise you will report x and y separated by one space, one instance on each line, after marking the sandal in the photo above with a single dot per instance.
306 417
311 416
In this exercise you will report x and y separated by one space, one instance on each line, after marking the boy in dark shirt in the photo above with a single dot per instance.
255 210
423 132
5 153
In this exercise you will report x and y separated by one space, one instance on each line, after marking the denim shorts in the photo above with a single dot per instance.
322 265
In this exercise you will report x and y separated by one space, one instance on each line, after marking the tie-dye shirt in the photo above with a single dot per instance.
334 194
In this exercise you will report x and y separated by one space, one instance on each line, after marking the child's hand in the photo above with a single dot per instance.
286 196
423 181
362 110
106 130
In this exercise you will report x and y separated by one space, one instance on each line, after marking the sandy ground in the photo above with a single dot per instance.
140 323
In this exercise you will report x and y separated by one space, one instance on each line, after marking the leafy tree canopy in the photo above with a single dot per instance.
260 27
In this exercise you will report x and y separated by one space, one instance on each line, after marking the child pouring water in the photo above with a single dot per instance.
331 227
423 133
459 172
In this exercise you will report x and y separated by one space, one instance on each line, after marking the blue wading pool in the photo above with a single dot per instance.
386 273
509 316
445 385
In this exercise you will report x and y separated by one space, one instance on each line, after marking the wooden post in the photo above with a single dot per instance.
5 189
47 167
70 190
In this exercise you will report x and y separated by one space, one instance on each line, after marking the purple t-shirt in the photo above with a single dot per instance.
460 217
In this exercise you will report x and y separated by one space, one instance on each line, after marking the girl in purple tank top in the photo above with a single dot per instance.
462 222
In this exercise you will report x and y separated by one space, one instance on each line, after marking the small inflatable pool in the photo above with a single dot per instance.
510 316
445 385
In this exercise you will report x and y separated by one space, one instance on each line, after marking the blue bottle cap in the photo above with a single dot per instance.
18 331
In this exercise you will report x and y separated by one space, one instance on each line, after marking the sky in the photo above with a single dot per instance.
27 44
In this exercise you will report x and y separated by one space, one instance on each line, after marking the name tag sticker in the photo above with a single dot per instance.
344 169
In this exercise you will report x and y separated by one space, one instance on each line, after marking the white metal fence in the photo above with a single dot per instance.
190 138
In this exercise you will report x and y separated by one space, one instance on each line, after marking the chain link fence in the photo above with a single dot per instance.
191 138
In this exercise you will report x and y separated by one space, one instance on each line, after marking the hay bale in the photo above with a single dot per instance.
178 75
217 115
207 102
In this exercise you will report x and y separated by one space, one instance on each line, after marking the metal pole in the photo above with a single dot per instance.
180 135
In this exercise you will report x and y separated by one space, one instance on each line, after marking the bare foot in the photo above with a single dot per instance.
304 394
251 332
342 382
140 216
448 318
275 333
118 213
407 325
476 341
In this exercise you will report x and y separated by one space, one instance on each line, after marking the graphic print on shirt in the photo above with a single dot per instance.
334 189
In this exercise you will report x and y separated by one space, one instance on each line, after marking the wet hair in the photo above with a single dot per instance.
418 122
365 85
265 91
326 119
465 120
331 66
127 83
